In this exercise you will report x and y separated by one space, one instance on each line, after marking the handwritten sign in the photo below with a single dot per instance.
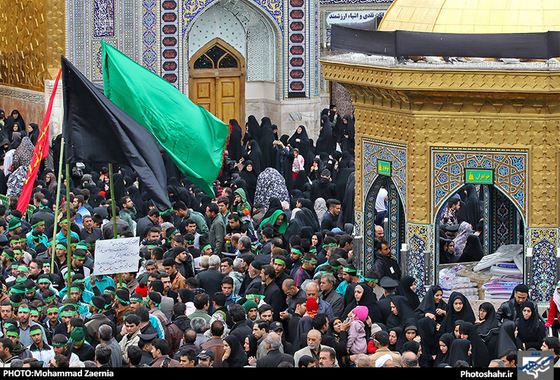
479 176
116 256
384 167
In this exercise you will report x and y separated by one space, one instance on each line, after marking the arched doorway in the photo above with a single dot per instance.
500 230
217 80
394 221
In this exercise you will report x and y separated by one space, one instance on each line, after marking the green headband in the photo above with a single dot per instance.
8 256
52 310
206 247
12 333
59 344
376 280
295 250
18 224
38 223
280 261
35 330
349 270
122 301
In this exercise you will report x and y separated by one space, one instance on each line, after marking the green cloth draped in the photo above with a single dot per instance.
194 138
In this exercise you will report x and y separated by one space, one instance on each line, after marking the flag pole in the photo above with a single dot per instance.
113 205
57 204
68 229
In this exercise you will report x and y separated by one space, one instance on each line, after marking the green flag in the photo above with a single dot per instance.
194 138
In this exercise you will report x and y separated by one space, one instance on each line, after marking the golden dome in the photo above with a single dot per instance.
473 16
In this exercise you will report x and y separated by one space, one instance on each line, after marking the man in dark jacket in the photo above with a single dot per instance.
272 293
323 187
330 221
210 277
511 309
384 264
274 357
242 327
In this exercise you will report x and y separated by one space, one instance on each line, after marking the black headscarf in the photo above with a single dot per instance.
253 131
400 338
119 186
302 142
369 300
459 350
34 134
325 142
506 338
9 123
428 304
531 332
235 143
472 205
348 132
250 179
266 143
254 154
238 357
442 358
480 356
411 296
472 251
466 313
405 314
488 328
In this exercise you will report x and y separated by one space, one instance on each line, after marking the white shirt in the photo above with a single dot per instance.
380 201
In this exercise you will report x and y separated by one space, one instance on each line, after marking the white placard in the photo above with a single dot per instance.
352 17
116 256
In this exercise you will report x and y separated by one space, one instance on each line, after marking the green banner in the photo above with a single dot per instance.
479 176
384 167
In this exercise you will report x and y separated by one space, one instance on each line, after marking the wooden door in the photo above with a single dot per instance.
205 93
217 81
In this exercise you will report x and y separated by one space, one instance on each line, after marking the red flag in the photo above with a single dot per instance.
40 152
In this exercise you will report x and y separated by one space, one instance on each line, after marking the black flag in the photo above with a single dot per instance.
95 130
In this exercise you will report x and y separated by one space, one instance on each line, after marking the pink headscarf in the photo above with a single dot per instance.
361 312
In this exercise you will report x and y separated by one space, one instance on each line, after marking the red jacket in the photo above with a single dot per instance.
553 313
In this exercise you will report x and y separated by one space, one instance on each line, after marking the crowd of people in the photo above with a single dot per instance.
262 274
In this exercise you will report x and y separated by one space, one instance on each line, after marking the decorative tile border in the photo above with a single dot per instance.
150 35
510 172
420 238
544 243
378 149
